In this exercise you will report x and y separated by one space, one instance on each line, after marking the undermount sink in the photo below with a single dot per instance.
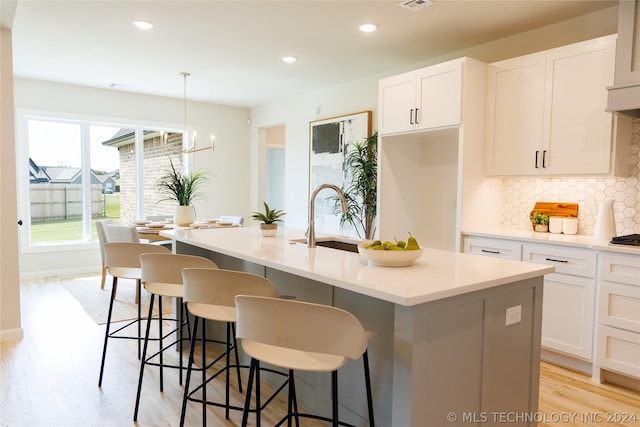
342 244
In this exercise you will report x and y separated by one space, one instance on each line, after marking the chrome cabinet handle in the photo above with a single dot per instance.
417 122
544 158
411 116
537 152
490 252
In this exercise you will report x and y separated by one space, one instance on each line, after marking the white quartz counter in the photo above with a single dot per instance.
577 240
436 275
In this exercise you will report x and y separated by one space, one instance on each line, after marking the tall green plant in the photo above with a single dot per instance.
182 188
360 188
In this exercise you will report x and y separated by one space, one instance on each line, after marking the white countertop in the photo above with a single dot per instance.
576 240
436 275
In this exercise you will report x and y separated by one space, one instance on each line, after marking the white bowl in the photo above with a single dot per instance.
384 258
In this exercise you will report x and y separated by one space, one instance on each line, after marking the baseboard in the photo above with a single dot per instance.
60 273
566 361
11 334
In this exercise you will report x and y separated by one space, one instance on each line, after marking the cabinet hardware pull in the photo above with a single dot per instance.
556 260
417 122
411 116
537 152
490 252
544 158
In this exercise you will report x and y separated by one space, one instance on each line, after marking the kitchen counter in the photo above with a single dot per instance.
436 275
458 335
576 240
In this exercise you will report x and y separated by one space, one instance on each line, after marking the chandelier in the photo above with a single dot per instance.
192 148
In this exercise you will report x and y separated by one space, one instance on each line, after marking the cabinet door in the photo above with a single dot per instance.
396 101
578 130
515 107
439 95
567 314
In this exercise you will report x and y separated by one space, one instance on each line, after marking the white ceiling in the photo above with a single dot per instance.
233 48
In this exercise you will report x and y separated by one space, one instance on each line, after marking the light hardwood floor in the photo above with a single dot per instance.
50 378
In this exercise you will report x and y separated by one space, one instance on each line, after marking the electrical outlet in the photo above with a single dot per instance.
514 315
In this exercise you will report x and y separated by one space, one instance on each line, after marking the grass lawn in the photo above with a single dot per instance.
65 230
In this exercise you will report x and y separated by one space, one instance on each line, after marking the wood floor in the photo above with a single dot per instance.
50 378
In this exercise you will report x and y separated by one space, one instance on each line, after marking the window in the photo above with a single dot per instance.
81 171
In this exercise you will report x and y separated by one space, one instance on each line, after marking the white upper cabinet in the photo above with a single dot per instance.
422 99
546 112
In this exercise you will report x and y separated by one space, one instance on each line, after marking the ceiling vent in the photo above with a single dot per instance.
415 4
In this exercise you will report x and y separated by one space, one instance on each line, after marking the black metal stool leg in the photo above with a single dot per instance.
226 371
106 333
235 349
143 360
367 379
139 285
160 347
334 398
204 374
189 367
247 399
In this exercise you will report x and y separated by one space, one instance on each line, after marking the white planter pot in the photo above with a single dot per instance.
184 215
268 230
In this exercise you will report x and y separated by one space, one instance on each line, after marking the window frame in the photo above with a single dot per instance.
23 115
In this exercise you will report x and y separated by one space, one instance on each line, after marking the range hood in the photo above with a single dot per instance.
624 95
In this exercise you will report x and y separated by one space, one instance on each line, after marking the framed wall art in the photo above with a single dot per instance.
330 141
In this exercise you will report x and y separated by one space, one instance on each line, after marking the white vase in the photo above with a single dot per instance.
268 230
184 215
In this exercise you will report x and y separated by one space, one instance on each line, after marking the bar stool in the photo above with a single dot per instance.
122 261
162 277
303 336
210 295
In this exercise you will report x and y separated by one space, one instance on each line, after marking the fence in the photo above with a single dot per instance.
51 202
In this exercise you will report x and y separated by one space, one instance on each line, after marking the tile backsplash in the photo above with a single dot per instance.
520 195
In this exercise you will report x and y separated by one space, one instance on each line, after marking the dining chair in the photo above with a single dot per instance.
297 335
210 295
102 239
122 261
162 277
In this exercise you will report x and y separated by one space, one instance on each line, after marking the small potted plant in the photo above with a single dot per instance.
540 221
268 219
182 188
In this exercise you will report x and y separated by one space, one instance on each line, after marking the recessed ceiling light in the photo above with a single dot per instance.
143 25
289 58
368 28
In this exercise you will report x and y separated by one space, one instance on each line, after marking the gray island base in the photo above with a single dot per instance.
443 354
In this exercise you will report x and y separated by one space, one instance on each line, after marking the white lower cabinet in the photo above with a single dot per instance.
618 332
569 297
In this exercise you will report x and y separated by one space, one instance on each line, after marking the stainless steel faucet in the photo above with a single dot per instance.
311 238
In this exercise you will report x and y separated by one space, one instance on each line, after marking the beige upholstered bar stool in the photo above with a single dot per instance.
162 277
122 261
302 336
210 295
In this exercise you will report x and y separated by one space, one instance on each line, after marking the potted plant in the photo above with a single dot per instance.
268 218
182 188
540 221
361 188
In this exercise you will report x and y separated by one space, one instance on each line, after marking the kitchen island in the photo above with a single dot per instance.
443 354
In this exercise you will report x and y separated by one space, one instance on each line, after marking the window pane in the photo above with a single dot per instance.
55 178
159 147
105 175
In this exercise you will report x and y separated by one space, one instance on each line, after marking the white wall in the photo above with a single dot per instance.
9 279
227 192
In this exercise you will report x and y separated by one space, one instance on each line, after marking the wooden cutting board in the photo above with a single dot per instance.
556 209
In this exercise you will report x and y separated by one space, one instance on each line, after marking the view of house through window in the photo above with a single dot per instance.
81 172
